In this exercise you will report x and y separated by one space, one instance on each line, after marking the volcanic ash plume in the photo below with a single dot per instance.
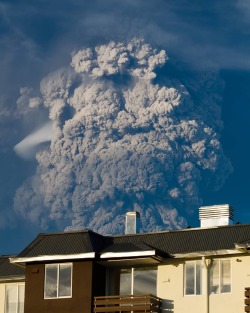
124 138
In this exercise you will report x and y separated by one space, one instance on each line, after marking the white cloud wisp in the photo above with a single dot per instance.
28 147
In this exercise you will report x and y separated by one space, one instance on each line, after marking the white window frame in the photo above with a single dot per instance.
132 272
196 263
57 283
17 300
220 278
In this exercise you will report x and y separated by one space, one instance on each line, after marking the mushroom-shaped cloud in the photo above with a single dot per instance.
125 137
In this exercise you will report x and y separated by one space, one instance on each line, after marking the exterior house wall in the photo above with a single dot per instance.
2 297
234 302
81 300
170 287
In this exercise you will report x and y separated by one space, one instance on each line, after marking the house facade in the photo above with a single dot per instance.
203 269
12 286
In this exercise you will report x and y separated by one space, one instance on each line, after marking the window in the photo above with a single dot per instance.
14 301
58 281
220 277
138 280
193 278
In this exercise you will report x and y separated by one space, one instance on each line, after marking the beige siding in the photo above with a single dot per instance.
170 287
2 298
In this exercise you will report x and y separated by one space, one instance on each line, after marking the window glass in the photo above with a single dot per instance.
215 277
220 277
145 281
50 290
64 280
58 279
193 278
225 276
14 301
189 278
198 278
125 282
20 299
11 298
138 280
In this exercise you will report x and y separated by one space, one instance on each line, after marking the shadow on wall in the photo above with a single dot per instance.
167 306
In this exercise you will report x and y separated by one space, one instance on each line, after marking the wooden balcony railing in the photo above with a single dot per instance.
247 299
145 303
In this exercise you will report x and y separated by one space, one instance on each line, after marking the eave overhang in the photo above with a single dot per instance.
123 262
60 257
12 278
130 258
211 253
130 254
243 247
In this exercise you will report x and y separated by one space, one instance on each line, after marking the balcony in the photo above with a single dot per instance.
128 303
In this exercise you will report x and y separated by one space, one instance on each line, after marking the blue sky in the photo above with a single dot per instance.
39 37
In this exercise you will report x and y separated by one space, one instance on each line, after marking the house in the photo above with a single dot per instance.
203 269
12 286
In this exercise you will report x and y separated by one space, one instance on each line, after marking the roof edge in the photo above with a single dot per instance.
206 253
178 230
89 255
111 255
17 278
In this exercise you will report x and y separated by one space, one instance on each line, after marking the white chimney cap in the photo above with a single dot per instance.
216 215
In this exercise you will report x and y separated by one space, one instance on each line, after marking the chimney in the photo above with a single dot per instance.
132 223
216 215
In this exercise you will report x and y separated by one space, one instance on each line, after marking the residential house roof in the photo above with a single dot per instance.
174 243
192 240
127 247
64 244
8 270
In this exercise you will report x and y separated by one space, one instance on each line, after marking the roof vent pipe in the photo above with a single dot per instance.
216 215
132 222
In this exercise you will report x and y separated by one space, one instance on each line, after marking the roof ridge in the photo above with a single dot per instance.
179 230
7 255
66 232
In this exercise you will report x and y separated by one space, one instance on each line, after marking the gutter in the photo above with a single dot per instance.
208 253
242 247
12 278
90 255
109 255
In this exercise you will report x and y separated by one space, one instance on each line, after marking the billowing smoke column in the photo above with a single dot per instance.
124 139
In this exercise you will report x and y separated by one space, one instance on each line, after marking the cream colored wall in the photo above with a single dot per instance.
2 298
170 288
234 302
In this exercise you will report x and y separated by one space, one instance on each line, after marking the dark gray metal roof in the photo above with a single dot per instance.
167 243
192 240
8 270
127 247
137 246
65 243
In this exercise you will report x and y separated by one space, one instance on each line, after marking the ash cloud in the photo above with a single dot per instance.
127 135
